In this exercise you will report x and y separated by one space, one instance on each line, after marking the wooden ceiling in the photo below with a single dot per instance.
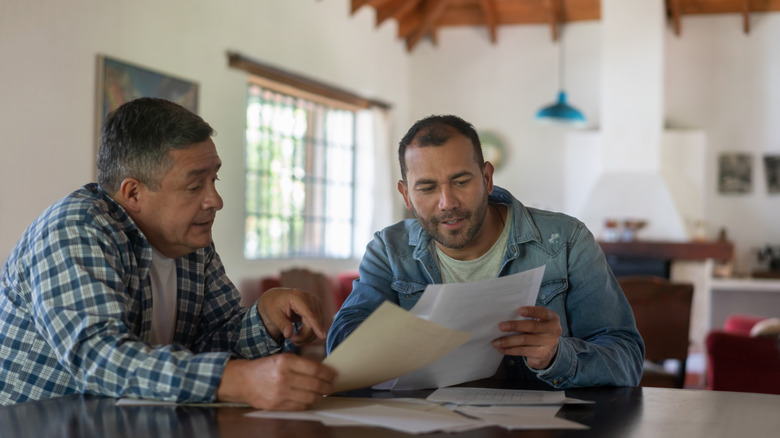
418 19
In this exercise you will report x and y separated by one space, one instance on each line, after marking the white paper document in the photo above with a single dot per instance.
405 420
493 397
476 307
405 414
389 343
420 416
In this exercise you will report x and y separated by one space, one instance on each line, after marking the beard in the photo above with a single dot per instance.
460 238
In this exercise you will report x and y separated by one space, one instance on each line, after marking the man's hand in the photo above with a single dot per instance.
535 338
281 382
280 307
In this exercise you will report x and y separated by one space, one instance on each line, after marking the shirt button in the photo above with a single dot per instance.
512 362
555 382
544 296
408 296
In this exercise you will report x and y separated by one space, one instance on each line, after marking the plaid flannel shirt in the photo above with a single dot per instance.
76 312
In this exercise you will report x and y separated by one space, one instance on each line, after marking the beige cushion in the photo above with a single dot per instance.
769 327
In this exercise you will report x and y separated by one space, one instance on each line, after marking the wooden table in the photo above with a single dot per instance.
617 412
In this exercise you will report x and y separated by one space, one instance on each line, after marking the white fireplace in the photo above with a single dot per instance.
631 167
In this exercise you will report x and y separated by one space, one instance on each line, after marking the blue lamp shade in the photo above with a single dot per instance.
561 113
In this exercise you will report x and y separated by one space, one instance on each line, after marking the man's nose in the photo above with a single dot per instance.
447 199
213 200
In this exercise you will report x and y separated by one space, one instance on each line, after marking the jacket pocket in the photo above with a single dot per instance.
552 295
408 292
550 290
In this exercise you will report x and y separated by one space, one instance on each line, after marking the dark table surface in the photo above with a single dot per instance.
617 412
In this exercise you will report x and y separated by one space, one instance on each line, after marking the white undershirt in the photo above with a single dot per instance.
163 276
484 267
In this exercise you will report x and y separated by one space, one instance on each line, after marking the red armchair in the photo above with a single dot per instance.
739 362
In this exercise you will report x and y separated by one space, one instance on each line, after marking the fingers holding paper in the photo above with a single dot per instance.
535 337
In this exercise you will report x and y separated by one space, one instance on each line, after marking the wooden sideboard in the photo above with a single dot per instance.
720 250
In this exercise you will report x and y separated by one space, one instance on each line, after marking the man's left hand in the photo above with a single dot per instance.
280 307
535 337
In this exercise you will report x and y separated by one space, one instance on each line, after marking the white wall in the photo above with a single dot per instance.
725 83
501 87
48 55
717 80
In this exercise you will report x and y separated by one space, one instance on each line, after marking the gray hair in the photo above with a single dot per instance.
137 136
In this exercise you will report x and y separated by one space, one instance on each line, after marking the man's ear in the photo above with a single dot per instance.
405 193
129 194
487 174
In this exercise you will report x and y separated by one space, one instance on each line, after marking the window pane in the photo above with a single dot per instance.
299 177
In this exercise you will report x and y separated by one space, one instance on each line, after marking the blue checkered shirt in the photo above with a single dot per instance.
76 312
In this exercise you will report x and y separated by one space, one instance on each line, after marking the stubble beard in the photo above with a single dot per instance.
455 239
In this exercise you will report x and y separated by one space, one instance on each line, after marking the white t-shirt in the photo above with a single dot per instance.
164 287
482 268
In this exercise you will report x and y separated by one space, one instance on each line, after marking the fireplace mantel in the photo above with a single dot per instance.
720 250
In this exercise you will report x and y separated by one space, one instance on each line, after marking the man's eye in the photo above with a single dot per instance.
193 188
426 189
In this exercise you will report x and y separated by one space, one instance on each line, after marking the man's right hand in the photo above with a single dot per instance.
281 382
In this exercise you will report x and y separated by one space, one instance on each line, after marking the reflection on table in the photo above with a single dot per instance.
617 412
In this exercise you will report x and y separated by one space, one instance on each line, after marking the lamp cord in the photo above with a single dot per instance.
561 63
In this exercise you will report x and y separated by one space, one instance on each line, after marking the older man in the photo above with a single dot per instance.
117 288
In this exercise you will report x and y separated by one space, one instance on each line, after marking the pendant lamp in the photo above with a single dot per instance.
560 112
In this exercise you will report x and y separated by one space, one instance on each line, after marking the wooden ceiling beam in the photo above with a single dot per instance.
673 7
535 11
357 4
432 10
420 18
693 7
553 11
396 9
408 23
489 9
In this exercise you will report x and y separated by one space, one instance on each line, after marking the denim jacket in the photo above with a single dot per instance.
600 344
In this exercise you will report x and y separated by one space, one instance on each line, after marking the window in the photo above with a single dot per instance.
303 140
299 177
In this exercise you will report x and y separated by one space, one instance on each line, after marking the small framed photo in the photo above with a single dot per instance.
772 172
735 173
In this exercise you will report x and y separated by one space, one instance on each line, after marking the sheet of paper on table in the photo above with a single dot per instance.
476 307
419 416
493 397
389 343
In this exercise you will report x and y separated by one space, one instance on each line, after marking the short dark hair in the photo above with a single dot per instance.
432 131
136 137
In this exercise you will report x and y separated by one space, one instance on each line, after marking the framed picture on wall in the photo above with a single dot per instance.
120 81
772 172
735 173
